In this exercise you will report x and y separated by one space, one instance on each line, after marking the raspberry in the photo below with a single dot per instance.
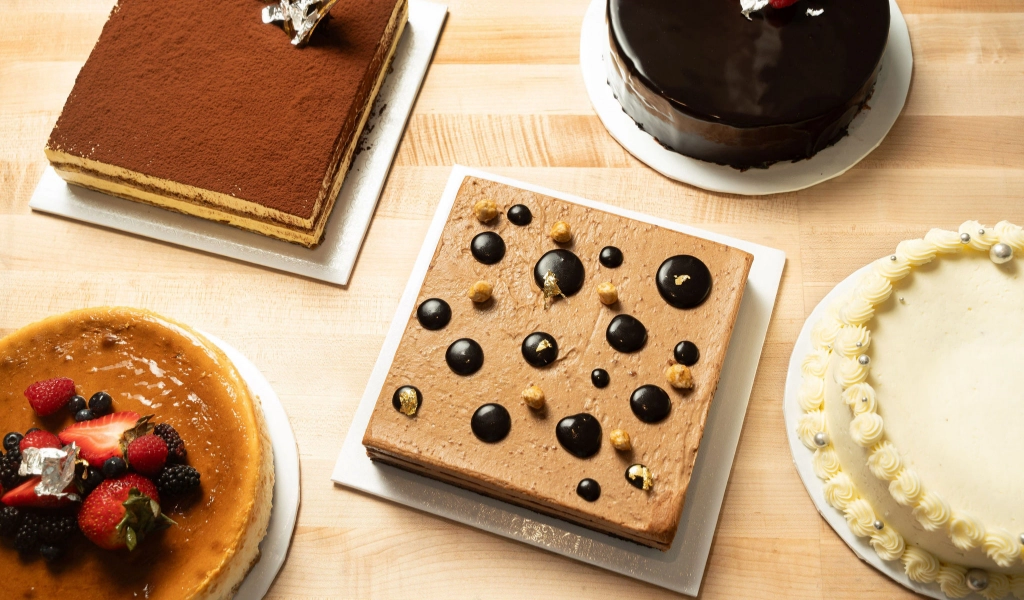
47 397
177 480
39 439
147 454
175 447
781 3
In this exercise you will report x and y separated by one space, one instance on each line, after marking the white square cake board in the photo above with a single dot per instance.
333 260
682 567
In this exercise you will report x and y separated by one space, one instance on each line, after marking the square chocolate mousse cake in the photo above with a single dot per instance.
200 107
561 358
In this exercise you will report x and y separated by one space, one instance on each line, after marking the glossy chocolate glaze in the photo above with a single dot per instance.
708 83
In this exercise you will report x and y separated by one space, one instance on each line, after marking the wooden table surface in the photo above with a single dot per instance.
505 94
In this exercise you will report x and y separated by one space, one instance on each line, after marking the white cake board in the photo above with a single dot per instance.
682 567
274 547
802 455
335 258
865 133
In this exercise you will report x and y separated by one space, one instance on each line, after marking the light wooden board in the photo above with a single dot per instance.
505 93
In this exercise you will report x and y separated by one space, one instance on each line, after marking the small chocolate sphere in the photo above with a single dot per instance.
687 353
611 257
487 247
464 356
520 215
684 281
407 400
565 266
588 489
491 423
626 334
580 435
540 349
650 403
434 314
600 378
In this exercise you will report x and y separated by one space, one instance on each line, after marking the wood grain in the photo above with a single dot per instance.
505 93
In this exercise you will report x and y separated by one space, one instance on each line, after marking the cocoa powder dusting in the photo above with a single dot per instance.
205 94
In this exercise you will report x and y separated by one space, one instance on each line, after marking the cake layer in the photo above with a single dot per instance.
531 466
709 83
264 148
911 399
150 365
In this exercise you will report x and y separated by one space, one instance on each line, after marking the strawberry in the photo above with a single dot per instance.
781 3
147 454
120 512
47 397
39 439
100 439
25 495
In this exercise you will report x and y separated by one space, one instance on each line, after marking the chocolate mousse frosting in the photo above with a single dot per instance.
473 426
709 83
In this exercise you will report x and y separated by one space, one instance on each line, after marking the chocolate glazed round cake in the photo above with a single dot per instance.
707 82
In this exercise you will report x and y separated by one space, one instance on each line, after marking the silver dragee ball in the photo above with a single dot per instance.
965 238
879 525
864 359
1000 253
977 579
821 439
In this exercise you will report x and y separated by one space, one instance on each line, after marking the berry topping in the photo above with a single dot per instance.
85 414
101 403
51 553
100 439
10 518
177 480
147 454
781 3
27 537
121 512
47 397
76 403
25 495
175 447
115 466
39 439
90 478
12 441
55 529
9 465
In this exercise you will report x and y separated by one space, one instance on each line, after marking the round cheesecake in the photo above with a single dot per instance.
150 365
710 83
912 399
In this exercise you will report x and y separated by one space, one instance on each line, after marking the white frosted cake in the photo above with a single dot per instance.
913 401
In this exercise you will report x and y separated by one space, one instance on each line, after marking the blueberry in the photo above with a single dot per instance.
51 553
76 403
85 414
31 430
93 478
12 441
114 467
101 403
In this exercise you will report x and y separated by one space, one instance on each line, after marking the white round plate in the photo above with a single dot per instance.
802 455
274 547
865 133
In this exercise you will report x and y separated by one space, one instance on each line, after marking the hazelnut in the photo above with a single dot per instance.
607 293
485 210
620 440
679 377
480 291
533 396
560 232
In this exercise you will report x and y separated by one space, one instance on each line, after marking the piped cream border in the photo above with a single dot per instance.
842 333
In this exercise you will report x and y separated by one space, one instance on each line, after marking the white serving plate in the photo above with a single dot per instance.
274 547
802 456
866 131
682 567
333 260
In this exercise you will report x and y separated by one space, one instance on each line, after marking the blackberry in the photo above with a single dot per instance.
55 529
9 464
10 518
175 447
27 537
177 480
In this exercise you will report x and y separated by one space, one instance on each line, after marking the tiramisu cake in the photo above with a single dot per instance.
745 83
561 358
135 463
201 108
912 407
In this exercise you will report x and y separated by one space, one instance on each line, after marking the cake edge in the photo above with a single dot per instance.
839 340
